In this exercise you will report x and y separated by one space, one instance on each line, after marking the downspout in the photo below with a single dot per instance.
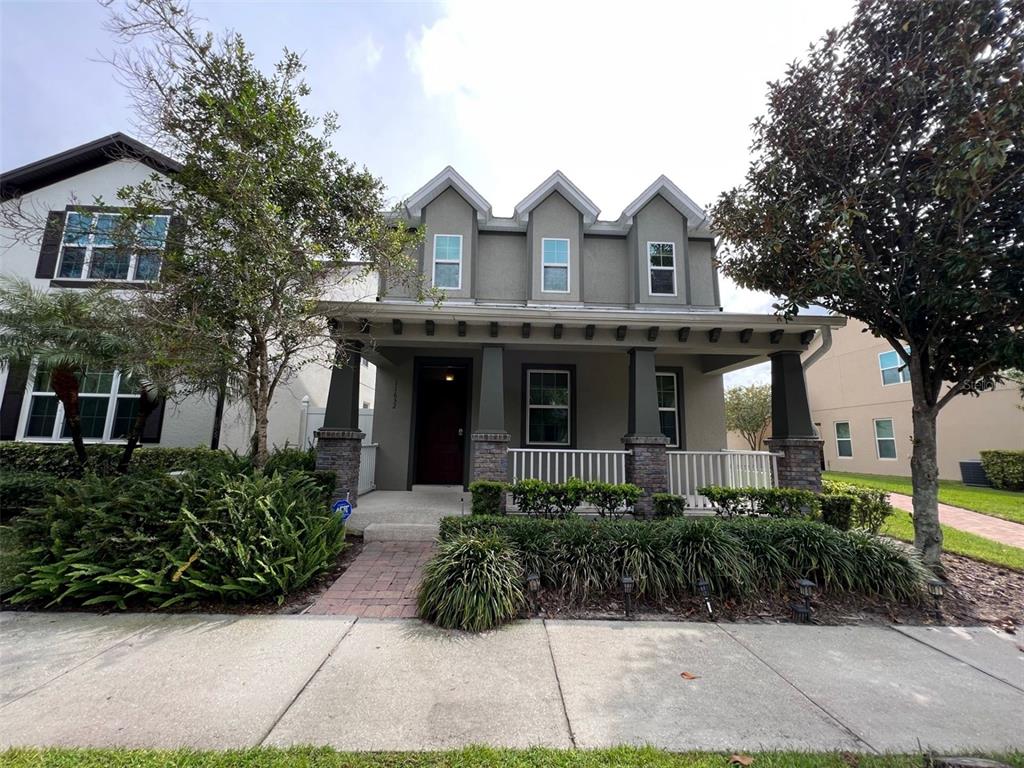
826 345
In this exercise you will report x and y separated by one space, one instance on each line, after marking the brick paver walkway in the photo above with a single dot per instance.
1003 531
381 582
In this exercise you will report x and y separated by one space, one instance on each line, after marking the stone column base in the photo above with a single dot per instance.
647 467
339 450
490 458
800 462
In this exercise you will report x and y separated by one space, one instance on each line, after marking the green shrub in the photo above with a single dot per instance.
771 502
486 496
474 582
885 568
1005 469
58 459
837 510
709 549
289 459
163 539
21 490
870 506
581 559
538 498
668 505
644 553
610 499
325 480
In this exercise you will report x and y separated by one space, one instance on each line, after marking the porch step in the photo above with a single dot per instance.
400 532
448 489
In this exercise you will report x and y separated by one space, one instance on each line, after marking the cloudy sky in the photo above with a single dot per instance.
611 94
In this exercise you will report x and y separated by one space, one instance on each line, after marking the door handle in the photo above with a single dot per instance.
460 431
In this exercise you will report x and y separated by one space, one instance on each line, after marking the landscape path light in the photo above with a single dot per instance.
627 593
937 588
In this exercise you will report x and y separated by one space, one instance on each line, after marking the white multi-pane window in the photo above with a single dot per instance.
554 265
844 440
661 263
448 261
92 248
548 404
894 370
668 407
885 439
107 405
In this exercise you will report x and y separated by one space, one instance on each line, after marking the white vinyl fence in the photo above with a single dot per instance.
688 471
557 465
367 467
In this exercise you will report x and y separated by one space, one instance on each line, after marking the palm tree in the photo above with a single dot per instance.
65 331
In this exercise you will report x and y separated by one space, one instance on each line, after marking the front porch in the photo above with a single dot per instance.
457 402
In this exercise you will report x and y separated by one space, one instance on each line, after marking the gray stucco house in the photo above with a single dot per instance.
568 345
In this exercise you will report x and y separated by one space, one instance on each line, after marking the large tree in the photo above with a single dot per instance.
267 210
748 410
888 185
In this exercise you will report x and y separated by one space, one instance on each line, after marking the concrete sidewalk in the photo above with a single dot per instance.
217 682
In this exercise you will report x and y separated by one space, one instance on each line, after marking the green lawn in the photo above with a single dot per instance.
900 526
1008 505
474 757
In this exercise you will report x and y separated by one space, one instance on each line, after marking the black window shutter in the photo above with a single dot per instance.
154 424
10 409
50 250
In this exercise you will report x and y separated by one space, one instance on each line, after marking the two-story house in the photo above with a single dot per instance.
567 345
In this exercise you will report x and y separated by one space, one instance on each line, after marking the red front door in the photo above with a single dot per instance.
441 423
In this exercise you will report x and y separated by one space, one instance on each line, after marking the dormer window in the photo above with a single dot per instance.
662 268
448 261
555 265
93 248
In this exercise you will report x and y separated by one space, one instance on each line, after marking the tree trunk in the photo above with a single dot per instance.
260 451
924 470
218 412
147 405
65 386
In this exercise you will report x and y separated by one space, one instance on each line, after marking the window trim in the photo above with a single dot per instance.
902 368
567 265
133 259
436 261
675 410
651 268
895 448
525 406
56 435
835 431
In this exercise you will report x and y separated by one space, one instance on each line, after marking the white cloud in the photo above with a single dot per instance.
755 374
371 53
612 95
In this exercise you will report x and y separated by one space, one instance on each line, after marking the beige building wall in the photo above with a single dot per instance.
846 386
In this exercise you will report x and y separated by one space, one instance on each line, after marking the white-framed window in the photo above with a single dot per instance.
894 370
548 406
668 406
554 264
885 439
844 440
661 268
107 404
90 251
448 261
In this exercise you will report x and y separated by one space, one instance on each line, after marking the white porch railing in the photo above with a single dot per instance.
559 464
689 471
367 467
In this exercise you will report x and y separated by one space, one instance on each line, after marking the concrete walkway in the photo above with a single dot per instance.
994 528
377 684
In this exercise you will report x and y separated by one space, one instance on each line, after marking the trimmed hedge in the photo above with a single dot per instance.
538 498
1005 469
771 502
837 510
486 497
59 460
21 490
667 557
870 506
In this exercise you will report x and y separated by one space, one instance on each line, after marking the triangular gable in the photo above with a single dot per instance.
559 182
663 185
449 177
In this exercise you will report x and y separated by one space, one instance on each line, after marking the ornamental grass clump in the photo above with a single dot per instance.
709 549
581 562
474 582
643 552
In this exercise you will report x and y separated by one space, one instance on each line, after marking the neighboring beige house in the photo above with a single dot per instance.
861 406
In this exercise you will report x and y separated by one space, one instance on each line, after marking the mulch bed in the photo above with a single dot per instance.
976 593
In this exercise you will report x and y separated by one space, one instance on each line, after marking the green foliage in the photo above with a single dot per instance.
58 459
291 460
668 505
21 490
1005 469
771 502
538 498
612 499
748 410
737 556
474 582
487 496
160 539
870 506
837 510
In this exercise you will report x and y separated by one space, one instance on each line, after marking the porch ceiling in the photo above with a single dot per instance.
725 341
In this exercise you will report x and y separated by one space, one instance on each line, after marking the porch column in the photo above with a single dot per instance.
339 442
490 440
647 464
792 430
